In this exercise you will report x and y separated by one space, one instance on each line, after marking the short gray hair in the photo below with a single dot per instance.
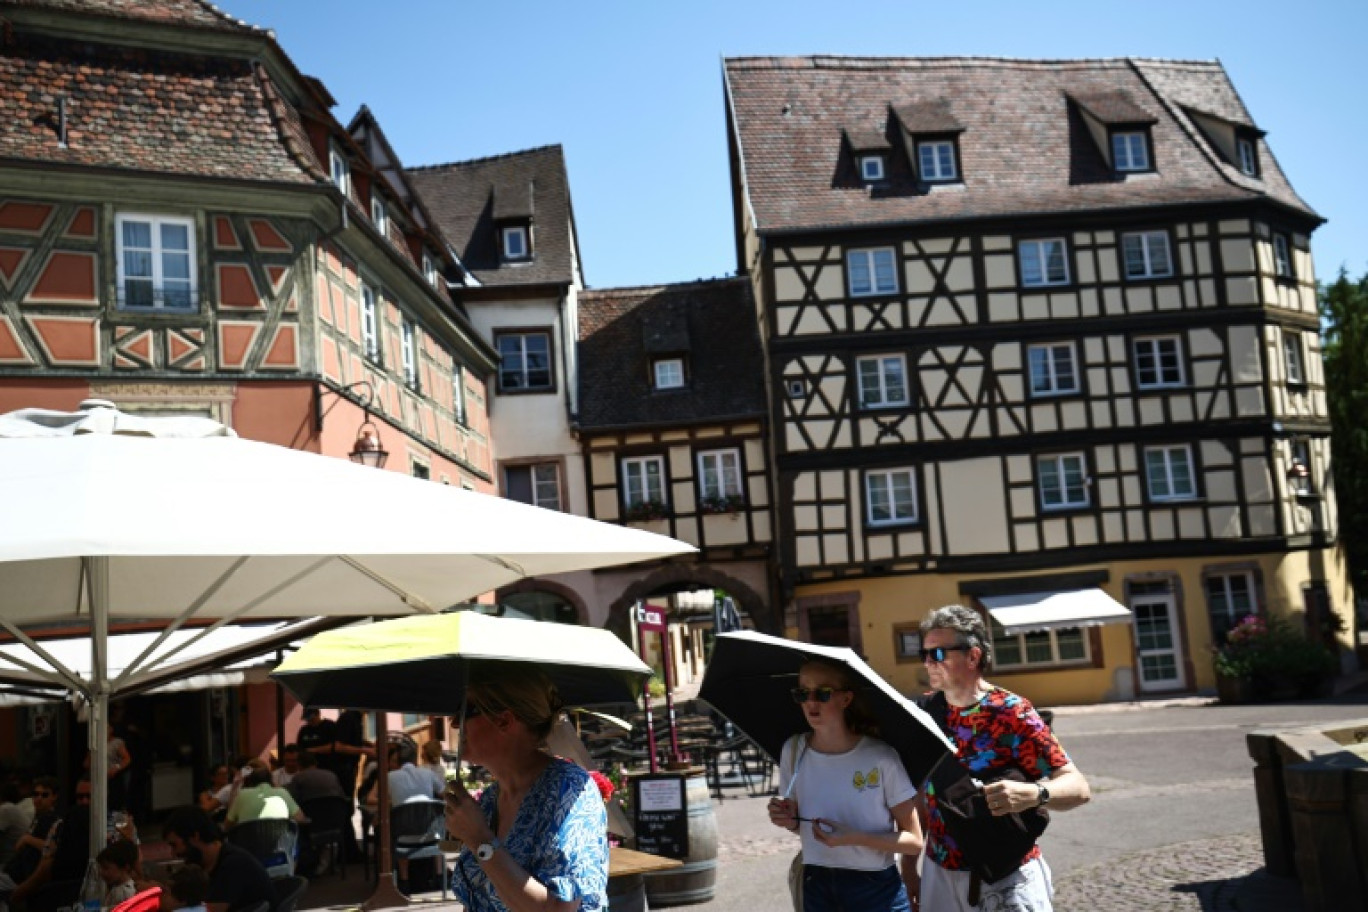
968 626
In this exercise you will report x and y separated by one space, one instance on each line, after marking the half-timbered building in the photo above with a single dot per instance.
674 430
185 228
1039 337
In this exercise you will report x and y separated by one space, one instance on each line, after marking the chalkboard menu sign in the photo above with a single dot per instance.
662 817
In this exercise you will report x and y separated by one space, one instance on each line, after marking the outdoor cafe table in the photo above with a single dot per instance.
626 886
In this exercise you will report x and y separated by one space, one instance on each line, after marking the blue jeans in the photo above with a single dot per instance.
846 890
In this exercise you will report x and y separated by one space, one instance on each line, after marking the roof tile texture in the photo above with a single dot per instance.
467 199
1024 148
137 109
174 12
722 360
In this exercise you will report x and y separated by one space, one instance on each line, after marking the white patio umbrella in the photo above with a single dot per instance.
108 516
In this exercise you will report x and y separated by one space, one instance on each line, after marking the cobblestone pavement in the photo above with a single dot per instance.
1205 875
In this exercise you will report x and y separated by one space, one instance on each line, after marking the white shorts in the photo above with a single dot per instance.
1029 889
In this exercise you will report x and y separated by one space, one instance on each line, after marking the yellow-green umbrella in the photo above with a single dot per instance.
419 664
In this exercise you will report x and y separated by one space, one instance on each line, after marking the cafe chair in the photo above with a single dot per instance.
288 890
272 842
330 817
418 827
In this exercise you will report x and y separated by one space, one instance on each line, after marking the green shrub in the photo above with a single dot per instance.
1271 649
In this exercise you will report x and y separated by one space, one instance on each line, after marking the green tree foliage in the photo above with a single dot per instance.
1344 322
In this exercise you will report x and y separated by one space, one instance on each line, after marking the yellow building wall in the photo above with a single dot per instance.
889 602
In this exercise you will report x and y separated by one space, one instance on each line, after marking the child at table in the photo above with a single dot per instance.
186 891
118 863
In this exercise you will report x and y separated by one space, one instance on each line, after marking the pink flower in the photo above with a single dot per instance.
605 785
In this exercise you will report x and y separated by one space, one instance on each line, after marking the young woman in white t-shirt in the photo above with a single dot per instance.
848 797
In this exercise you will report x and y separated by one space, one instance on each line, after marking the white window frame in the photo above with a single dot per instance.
870 259
899 502
430 272
1299 453
1247 154
1130 150
1004 643
379 215
668 373
1050 355
1061 465
872 167
518 249
639 484
340 169
419 469
1294 357
458 401
1034 258
883 395
1172 461
936 160
1158 347
1147 255
719 473
157 255
542 477
522 336
370 322
1282 256
408 350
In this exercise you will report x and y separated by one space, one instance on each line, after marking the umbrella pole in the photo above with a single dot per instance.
646 699
97 578
669 693
386 893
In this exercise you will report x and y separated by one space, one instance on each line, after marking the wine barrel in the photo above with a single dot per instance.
626 893
696 880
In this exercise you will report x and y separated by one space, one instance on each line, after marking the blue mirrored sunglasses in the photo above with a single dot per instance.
820 694
939 653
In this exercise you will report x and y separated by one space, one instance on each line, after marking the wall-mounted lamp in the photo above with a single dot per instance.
367 450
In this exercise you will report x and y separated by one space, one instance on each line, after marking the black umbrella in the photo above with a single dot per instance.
749 680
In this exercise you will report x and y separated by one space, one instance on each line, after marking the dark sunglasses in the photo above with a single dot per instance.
820 694
940 653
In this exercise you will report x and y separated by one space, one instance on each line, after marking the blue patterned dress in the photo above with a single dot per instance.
560 837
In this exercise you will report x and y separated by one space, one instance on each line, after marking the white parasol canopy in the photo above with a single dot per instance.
105 518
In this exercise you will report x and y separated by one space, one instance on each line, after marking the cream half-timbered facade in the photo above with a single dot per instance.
1088 402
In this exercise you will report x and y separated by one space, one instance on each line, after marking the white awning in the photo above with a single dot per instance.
1031 612
183 647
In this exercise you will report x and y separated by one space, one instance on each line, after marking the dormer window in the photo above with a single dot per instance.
931 134
871 167
379 217
1248 156
869 147
936 161
1130 151
669 373
430 271
515 243
341 171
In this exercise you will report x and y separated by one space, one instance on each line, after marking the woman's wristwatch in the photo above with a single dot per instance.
485 850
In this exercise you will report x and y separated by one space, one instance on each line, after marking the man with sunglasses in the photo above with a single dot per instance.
992 729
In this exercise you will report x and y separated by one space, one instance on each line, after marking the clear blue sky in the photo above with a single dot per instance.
633 91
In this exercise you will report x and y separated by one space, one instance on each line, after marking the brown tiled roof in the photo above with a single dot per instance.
194 13
928 117
862 140
145 110
1113 108
723 354
1023 149
466 198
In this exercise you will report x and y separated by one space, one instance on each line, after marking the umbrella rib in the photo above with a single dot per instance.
408 598
72 679
184 616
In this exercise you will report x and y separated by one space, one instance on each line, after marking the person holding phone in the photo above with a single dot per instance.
537 838
848 796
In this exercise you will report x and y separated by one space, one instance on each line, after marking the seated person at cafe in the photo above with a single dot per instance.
64 858
28 851
407 780
119 864
14 823
260 800
289 765
223 788
313 781
236 879
187 890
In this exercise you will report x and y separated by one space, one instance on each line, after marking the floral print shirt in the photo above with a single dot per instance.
560 837
1001 730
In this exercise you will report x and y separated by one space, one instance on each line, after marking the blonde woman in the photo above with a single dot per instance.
848 797
537 838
